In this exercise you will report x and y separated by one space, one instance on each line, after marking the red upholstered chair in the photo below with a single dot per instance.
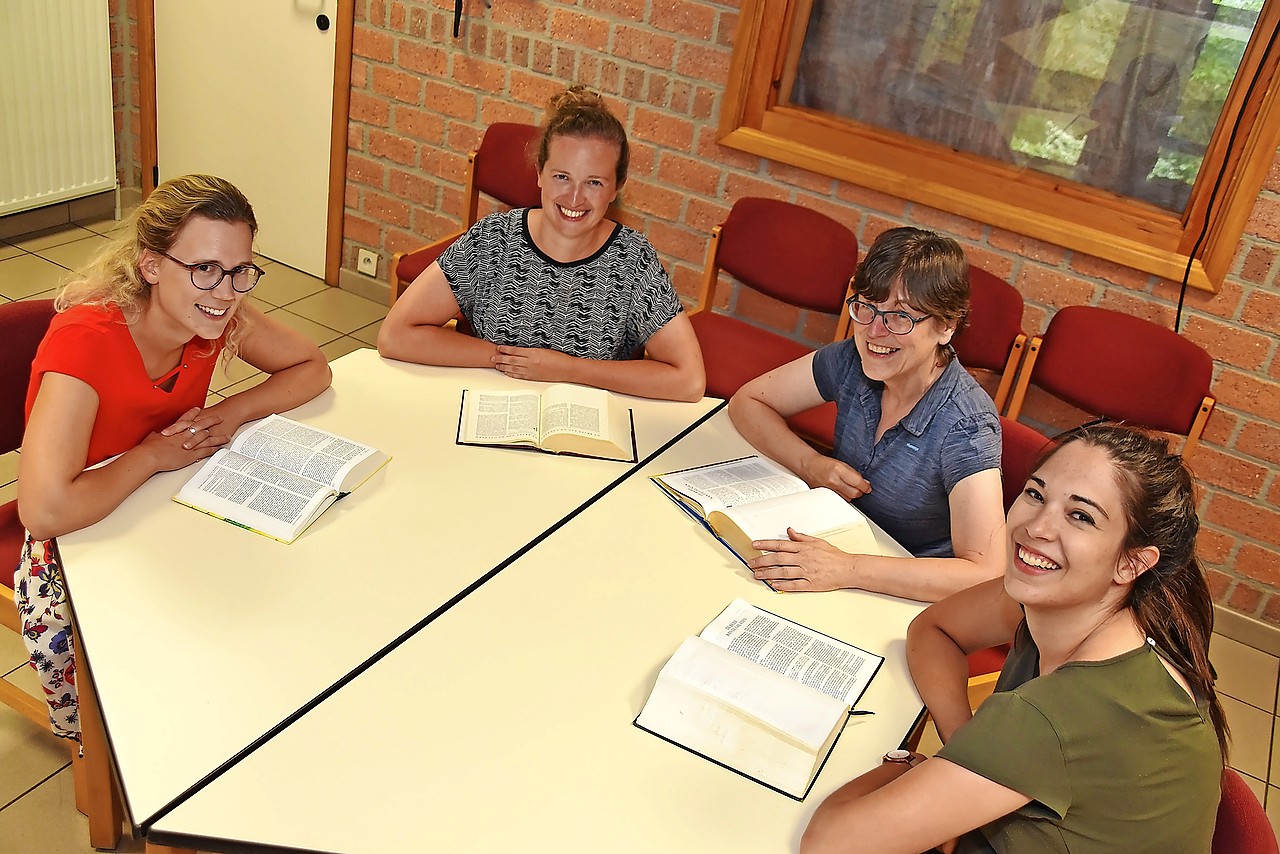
22 326
791 254
993 340
1243 827
1123 368
502 167
1020 449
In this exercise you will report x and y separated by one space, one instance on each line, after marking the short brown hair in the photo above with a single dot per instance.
932 269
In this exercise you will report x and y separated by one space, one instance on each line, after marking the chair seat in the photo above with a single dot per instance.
988 660
413 263
12 537
754 350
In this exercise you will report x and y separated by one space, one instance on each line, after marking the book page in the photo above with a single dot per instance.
304 451
577 410
256 494
816 512
729 484
494 418
833 667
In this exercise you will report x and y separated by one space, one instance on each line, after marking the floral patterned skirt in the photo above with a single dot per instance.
41 597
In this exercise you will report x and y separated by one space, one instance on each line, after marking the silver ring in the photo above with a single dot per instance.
193 430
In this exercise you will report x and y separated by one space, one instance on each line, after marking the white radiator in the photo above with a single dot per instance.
57 138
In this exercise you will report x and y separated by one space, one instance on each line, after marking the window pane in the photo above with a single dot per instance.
1122 96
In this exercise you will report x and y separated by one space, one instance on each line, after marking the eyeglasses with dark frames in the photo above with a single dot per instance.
897 322
207 275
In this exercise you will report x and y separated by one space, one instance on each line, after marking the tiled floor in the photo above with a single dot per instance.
37 804
37 810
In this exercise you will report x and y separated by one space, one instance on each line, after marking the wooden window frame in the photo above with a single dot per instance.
1096 222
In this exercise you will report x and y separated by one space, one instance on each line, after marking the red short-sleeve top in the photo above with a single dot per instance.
93 344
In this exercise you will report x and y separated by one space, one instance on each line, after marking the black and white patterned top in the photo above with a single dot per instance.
605 306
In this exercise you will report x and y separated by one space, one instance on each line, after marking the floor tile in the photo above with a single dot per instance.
51 237
28 754
1250 737
1272 804
213 397
312 330
28 275
282 285
8 492
8 251
341 347
235 372
1258 787
369 334
77 254
338 310
8 467
243 385
27 824
105 225
13 655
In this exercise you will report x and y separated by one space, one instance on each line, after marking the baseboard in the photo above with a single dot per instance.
1263 637
364 286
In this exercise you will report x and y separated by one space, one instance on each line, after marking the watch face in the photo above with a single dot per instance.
898 756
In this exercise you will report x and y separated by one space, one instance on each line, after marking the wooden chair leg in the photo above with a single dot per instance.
101 801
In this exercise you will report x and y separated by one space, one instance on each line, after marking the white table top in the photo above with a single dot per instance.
506 724
202 636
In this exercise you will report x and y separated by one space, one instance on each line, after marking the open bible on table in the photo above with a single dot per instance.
278 476
561 419
760 695
753 498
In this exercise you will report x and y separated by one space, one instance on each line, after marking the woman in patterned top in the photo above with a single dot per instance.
559 293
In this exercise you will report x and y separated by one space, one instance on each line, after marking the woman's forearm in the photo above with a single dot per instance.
428 344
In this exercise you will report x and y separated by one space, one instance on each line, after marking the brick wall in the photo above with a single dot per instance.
125 97
421 99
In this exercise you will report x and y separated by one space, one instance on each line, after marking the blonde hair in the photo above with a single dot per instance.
579 112
113 278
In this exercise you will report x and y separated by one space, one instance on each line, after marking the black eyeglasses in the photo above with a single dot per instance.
207 275
897 322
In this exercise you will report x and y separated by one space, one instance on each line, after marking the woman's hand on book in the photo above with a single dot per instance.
841 478
802 563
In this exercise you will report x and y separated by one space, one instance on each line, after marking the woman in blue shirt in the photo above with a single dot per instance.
917 441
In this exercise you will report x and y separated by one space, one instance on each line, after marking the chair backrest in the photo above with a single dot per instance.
788 252
504 167
22 326
1242 827
995 322
1020 450
1120 367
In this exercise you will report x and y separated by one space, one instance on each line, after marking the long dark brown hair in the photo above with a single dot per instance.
1171 600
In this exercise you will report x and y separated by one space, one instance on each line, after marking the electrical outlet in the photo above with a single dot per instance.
368 263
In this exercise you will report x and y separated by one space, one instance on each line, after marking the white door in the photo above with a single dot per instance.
244 90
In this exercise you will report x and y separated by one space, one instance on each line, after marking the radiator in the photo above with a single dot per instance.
57 137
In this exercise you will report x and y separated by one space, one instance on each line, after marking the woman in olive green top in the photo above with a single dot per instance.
1105 733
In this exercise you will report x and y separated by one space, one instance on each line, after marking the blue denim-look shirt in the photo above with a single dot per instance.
951 433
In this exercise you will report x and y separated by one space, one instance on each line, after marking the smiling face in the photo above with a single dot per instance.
177 306
1068 530
578 184
910 359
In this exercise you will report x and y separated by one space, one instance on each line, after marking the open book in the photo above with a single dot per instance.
278 476
759 695
562 419
753 498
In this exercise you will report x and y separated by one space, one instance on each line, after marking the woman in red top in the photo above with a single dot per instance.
123 374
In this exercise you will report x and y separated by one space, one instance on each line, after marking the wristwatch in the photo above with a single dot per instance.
902 757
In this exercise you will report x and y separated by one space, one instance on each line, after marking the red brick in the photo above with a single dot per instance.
802 178
360 229
1264 222
874 226
450 100
1273 496
1228 343
479 73
398 85
945 223
501 110
704 103
1245 598
705 214
662 129
572 27
412 188
652 199
727 29
418 23
1261 441
627 10
398 17
1271 611
678 242
532 88
378 12
373 44
369 109
566 63
843 214
520 51
524 16
1262 311
818 328
1272 181
1026 247
1138 305
710 148
1229 471
704 63
683 18
1222 304
1053 287
425 59
1221 427
1248 394
765 311
1236 514
419 124
1258 563
385 209
392 147
692 175
1213 546
1116 274
644 46
632 83
1257 265
738 186
686 279
995 263
870 199
362 170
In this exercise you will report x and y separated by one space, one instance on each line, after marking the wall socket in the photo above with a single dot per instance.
367 263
